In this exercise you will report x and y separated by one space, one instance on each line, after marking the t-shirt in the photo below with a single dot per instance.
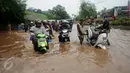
36 30
81 30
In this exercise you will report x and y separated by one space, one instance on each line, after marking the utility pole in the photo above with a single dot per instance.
128 8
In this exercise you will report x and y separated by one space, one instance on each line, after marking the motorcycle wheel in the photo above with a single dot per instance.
43 51
47 47
108 42
60 38
92 42
68 39
35 46
63 40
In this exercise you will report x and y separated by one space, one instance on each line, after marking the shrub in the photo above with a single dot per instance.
116 22
121 21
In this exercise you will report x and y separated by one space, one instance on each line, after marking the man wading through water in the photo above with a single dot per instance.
81 31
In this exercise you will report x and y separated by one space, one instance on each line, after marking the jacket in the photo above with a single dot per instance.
34 30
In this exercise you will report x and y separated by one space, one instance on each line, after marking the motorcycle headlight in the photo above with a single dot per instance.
43 45
64 31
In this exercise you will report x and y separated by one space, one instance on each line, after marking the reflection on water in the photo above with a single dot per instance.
97 56
10 44
64 47
101 57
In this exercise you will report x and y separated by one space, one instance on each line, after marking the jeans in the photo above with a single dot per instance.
34 41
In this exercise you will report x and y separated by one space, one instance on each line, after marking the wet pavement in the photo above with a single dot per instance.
65 57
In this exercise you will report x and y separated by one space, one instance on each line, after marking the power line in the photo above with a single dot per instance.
101 2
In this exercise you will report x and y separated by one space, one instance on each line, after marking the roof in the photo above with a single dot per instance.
122 7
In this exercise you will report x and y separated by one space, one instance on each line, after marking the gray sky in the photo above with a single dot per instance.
72 6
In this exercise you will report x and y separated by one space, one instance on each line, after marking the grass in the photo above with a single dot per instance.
33 16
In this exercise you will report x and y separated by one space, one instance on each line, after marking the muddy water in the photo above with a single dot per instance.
75 58
11 44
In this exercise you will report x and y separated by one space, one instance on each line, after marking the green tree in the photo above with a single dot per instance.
12 11
87 9
39 11
60 12
103 11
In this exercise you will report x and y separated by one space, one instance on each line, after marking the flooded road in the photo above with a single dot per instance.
11 44
68 57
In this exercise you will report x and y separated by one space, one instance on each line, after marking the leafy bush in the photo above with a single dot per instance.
87 9
121 21
116 22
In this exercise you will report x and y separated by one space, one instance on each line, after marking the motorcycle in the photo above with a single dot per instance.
64 36
97 37
41 43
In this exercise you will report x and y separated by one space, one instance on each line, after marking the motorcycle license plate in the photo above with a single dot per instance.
42 40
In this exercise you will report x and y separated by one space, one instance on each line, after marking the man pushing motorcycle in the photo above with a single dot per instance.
98 35
81 30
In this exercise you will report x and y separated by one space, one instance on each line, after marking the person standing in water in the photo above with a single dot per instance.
25 27
9 27
81 31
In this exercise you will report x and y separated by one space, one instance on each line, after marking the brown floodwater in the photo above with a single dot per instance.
68 57
11 43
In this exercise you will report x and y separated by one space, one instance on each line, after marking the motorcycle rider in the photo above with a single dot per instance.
63 25
35 30
51 28
106 27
